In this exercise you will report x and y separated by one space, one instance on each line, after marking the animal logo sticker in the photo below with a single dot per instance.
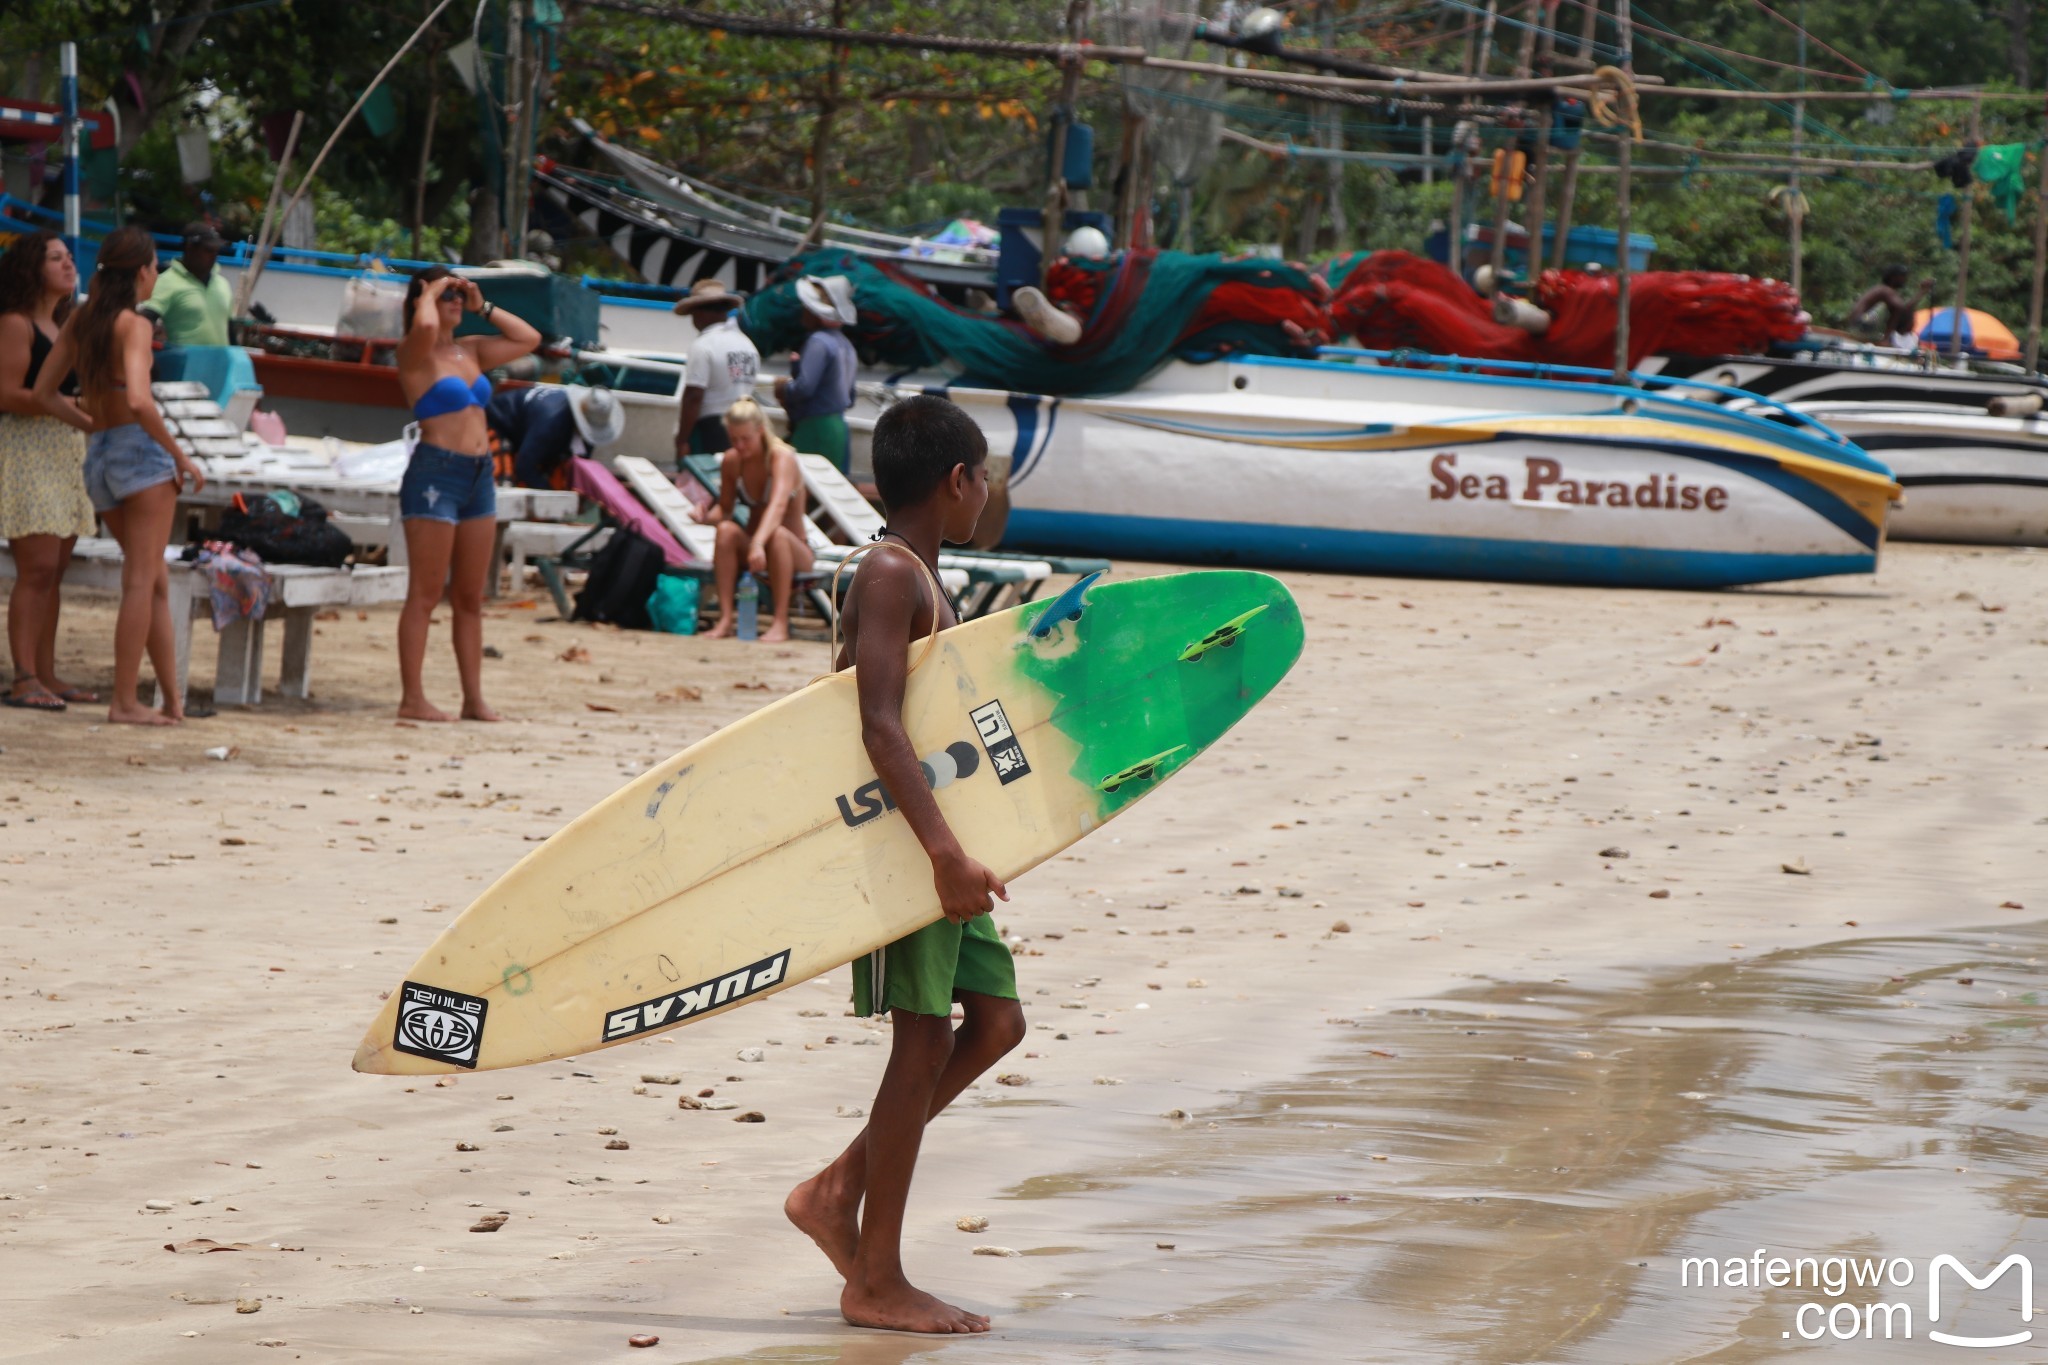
439 1024
1005 754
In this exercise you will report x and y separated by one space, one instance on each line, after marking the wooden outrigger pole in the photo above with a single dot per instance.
2040 262
1625 39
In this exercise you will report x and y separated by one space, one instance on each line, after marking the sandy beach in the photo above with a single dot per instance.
1526 941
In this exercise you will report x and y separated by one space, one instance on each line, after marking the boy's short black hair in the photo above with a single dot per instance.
1894 275
916 444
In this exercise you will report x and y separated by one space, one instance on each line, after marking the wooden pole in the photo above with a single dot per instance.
1955 320
419 191
1504 192
1624 39
1539 172
1792 201
1589 15
516 169
247 285
1460 172
2040 263
1486 38
821 138
1054 219
1565 198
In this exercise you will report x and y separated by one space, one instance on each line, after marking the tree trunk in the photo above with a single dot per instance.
821 137
486 229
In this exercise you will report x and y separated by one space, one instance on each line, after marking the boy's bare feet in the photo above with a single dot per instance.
723 630
120 714
903 1308
826 1209
776 634
422 710
476 710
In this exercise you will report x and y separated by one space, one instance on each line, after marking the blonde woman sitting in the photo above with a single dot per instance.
759 472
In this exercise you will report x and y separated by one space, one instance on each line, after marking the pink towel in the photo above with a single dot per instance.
602 487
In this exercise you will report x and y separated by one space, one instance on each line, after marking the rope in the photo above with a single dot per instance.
1602 102
1837 52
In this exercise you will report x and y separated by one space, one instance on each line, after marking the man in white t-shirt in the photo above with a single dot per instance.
723 366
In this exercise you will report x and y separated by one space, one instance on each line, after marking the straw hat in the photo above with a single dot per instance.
599 417
707 293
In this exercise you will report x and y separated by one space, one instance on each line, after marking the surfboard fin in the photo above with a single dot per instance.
1143 771
1068 606
1223 637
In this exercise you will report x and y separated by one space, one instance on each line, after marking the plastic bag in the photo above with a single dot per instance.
373 305
673 605
374 464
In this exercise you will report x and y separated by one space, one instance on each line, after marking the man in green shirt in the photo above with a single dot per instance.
193 299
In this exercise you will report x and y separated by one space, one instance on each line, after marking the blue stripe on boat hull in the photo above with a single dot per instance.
1388 552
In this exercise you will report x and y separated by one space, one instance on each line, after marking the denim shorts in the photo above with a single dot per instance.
122 461
446 485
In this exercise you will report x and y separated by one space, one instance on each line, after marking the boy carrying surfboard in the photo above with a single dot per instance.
931 467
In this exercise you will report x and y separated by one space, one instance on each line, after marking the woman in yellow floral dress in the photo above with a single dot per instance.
43 503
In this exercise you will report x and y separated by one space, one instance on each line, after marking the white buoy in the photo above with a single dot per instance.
1513 312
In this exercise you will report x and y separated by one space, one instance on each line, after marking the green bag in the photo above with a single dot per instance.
673 605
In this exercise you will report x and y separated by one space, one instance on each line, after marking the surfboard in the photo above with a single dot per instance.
770 852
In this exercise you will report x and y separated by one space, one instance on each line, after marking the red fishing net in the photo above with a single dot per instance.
1393 300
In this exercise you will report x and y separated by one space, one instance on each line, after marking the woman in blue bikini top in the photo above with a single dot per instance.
443 378
448 500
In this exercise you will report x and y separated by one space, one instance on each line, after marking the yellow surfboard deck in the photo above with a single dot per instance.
769 852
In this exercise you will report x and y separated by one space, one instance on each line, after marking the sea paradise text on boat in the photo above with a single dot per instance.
1659 492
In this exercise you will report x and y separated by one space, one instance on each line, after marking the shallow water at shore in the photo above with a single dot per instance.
1515 1172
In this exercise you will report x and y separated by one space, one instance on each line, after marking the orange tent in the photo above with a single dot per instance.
1983 335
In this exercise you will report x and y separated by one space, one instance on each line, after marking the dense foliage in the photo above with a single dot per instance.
918 138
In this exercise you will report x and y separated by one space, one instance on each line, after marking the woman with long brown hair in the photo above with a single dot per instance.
133 467
43 506
448 498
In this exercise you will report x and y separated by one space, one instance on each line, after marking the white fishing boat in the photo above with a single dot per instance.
1339 464
1967 442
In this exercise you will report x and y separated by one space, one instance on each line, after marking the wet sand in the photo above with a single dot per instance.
1487 1122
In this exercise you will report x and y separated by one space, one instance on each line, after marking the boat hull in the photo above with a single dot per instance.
1350 473
1969 477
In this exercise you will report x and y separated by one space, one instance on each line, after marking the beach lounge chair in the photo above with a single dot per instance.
674 510
617 510
977 583
848 511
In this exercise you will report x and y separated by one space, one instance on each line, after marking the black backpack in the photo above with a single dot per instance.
621 579
256 522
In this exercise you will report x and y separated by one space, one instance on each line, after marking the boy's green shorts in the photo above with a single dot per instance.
922 971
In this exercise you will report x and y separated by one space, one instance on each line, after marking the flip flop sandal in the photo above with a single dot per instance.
34 701
83 696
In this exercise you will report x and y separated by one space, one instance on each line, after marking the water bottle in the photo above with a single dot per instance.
748 599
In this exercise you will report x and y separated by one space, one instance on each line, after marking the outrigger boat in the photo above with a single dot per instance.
1968 443
1357 463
